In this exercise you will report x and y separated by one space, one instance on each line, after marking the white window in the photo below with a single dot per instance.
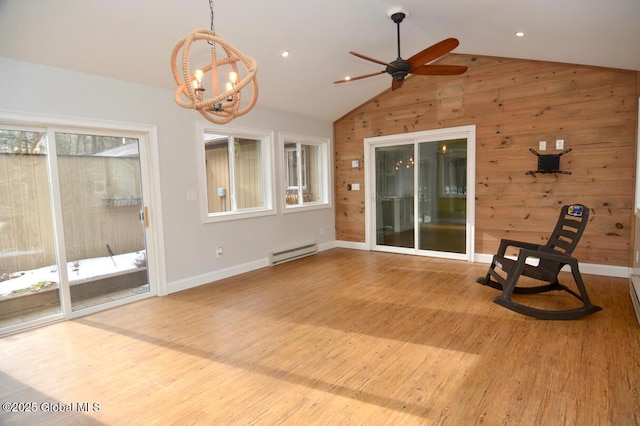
306 172
237 174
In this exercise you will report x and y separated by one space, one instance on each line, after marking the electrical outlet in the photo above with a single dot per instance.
560 144
219 252
542 145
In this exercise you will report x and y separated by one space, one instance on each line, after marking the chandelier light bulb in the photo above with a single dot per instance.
199 74
233 77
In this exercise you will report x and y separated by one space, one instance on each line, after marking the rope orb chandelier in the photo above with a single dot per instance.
224 103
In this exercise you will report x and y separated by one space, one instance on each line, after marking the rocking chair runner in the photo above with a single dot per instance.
552 256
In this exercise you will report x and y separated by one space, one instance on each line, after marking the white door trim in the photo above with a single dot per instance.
149 162
460 132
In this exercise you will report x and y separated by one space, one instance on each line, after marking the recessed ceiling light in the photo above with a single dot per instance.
285 54
519 34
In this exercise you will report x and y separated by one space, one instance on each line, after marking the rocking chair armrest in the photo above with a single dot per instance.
504 244
554 257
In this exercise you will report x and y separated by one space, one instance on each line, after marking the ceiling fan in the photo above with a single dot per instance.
417 64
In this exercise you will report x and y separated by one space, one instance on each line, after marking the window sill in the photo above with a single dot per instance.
228 216
293 208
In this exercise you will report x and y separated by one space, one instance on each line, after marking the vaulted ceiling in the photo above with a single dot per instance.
132 39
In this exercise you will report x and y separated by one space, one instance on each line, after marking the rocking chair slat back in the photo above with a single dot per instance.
569 229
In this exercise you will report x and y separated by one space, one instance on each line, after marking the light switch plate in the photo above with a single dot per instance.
355 164
542 146
355 187
560 144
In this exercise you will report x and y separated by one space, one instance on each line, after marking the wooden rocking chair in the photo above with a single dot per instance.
552 256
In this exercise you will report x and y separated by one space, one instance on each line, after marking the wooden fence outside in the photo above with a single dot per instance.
101 200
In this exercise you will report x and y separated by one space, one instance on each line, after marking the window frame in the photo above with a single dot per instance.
324 169
266 138
300 160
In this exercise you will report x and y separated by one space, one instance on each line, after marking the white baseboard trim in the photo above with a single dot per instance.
634 290
482 258
351 245
327 246
585 268
210 277
606 270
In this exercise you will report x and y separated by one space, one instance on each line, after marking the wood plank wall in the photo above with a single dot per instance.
514 105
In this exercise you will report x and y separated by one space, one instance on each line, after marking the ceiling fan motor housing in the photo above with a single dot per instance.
398 69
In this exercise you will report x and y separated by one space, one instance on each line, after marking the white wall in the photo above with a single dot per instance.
189 245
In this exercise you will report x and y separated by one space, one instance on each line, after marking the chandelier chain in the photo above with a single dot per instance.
213 29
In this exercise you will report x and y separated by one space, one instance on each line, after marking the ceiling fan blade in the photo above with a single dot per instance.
360 77
396 84
359 55
433 52
439 70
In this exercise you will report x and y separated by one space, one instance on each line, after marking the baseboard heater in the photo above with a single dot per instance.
280 256
634 289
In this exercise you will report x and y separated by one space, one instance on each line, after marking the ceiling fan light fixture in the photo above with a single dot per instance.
520 34
417 64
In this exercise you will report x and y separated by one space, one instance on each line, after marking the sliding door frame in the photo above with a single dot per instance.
370 145
150 178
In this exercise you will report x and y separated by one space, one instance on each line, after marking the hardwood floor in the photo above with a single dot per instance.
343 337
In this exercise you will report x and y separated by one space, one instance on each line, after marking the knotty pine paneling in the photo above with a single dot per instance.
514 104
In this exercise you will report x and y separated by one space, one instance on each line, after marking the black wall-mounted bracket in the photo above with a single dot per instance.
548 163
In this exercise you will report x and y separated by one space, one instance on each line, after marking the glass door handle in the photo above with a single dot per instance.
144 216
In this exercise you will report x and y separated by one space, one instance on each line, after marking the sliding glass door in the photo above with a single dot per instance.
29 284
420 199
442 209
395 200
72 223
104 234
